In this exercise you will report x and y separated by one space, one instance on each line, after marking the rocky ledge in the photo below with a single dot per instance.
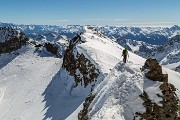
11 39
83 70
170 108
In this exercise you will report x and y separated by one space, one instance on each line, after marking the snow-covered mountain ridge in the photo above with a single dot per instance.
53 93
121 88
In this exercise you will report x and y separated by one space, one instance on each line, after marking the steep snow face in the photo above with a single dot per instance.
24 77
117 95
104 52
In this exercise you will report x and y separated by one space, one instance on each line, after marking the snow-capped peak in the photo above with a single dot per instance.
36 86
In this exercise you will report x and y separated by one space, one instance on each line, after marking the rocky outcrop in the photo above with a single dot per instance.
83 113
170 105
11 39
78 65
51 48
170 108
154 71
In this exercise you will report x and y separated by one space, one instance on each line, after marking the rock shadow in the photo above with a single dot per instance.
58 98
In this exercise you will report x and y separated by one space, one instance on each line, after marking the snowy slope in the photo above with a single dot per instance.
24 78
117 96
33 85
103 51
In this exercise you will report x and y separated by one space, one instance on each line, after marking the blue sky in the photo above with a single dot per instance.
91 12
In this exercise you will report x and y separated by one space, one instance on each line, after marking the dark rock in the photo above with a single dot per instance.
170 108
155 71
51 48
39 45
79 66
82 115
13 40
151 64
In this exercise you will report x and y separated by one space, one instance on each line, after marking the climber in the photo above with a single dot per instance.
125 55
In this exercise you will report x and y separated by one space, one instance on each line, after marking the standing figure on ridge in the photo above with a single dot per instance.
125 54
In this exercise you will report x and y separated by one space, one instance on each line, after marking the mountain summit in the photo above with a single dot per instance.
90 82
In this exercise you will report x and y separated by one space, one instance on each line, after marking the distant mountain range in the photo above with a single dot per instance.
168 54
151 35
90 82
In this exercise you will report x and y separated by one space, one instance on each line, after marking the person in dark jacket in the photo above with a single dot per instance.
125 55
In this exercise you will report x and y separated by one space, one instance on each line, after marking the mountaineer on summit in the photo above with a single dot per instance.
125 54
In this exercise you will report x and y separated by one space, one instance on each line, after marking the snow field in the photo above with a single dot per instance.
25 78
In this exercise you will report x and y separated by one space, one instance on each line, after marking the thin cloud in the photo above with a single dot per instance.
150 23
145 23
60 21
107 19
94 19
122 19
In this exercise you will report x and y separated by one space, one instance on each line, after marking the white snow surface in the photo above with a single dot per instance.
33 86
117 96
23 79
103 52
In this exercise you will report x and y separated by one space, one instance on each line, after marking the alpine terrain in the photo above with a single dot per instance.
81 76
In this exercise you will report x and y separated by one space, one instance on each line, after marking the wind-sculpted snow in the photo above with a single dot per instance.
117 96
33 86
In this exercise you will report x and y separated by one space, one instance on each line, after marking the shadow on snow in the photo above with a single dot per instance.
59 102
